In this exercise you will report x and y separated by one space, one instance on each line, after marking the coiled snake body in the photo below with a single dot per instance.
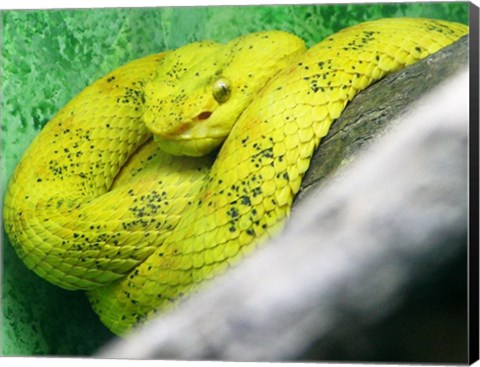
95 205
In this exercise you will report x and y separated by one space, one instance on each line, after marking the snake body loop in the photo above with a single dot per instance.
94 204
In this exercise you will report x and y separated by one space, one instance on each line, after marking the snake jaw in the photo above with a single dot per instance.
194 129
179 131
196 137
188 147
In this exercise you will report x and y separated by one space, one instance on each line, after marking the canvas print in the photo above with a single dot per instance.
260 183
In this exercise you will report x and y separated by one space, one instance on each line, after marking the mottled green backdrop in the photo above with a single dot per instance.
49 56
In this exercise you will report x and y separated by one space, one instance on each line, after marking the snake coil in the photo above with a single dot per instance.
94 204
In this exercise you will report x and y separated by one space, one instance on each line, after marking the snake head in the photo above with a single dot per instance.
202 88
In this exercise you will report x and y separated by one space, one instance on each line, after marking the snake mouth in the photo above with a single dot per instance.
182 128
186 126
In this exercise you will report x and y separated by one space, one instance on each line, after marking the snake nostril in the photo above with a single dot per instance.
204 115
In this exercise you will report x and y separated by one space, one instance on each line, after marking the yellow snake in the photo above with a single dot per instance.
94 204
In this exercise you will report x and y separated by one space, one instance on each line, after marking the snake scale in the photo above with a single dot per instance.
94 204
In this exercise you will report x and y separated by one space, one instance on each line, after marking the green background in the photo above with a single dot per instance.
47 57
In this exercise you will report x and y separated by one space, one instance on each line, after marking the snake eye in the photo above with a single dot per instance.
221 90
